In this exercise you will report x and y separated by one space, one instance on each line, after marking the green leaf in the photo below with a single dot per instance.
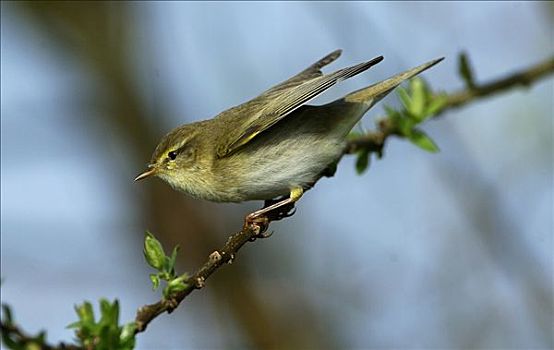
170 261
423 141
362 162
128 331
465 70
418 99
76 324
41 337
86 326
153 252
436 105
165 276
176 285
155 281
400 122
393 115
404 97
127 336
109 312
85 313
106 334
404 126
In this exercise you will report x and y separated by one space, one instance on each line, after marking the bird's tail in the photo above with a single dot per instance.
372 94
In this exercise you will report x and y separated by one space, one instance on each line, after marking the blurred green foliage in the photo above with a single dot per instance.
165 265
106 333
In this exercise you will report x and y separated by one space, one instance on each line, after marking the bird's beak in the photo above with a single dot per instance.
151 171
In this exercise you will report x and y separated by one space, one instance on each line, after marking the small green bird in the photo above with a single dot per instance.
274 145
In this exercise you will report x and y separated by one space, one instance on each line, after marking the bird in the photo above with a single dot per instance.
273 147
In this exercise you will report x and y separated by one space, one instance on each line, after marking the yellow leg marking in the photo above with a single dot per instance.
296 193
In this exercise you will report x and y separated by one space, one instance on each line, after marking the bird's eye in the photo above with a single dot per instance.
172 155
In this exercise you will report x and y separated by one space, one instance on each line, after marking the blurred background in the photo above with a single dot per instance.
447 250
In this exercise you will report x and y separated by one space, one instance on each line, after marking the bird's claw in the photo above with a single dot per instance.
258 223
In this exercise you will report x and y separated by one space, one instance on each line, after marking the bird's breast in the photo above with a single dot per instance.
271 170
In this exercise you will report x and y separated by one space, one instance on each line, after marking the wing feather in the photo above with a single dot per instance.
278 102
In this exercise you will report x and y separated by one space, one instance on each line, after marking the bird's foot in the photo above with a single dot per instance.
273 210
259 223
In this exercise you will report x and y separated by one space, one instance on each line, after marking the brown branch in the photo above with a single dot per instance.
217 259
524 78
145 314
374 141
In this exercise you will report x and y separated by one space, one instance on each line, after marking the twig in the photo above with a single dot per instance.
145 314
523 78
218 258
374 141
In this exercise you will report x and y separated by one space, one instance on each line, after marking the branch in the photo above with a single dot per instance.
375 141
218 258
523 78
249 233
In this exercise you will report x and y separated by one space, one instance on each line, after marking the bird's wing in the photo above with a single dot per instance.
309 73
276 103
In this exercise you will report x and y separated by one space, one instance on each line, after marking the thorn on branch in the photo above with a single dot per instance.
200 282
215 257
171 304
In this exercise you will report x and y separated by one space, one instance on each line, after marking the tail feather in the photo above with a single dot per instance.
372 94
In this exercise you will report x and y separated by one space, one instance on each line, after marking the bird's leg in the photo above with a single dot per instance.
274 211
280 213
295 194
269 202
